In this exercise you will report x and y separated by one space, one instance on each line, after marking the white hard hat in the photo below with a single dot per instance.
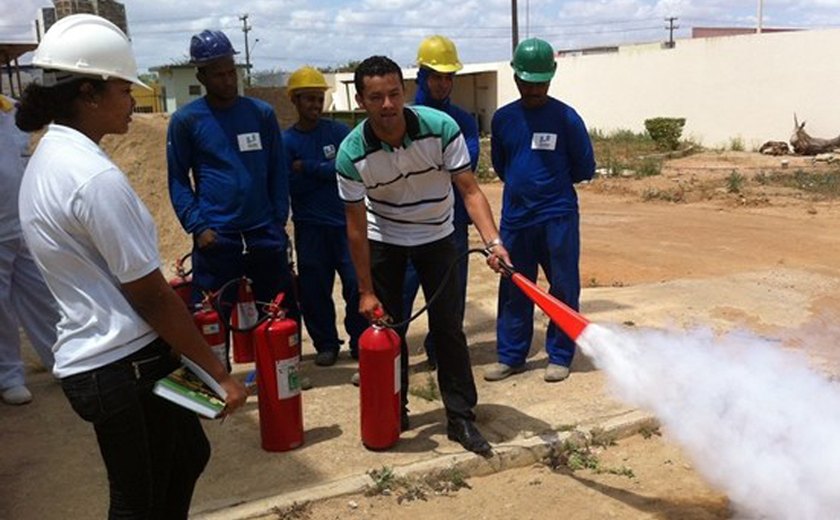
87 45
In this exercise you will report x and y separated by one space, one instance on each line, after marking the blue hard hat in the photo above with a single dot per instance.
209 45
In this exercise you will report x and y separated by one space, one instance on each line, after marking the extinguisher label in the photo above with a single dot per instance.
294 339
288 382
246 314
397 375
210 328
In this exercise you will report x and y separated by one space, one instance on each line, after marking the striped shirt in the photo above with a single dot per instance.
407 190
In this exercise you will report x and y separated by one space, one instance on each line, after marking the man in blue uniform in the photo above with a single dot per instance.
318 214
227 179
438 60
540 149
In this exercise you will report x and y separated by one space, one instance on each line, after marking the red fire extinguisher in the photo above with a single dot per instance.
379 386
210 325
244 316
182 281
277 353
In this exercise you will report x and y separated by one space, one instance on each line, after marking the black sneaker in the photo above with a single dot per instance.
467 435
326 358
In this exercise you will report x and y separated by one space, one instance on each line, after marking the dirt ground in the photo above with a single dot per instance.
638 478
685 224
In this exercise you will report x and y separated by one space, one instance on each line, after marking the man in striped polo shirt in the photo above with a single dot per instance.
396 172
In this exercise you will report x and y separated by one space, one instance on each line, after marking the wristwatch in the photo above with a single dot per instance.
493 243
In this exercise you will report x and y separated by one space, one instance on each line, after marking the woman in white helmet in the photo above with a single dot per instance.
121 325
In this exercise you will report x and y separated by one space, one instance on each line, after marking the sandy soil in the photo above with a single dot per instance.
680 225
638 478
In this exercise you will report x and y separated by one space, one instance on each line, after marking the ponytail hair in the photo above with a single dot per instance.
41 105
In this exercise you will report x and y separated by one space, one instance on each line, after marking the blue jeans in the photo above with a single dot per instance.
154 450
388 266
322 251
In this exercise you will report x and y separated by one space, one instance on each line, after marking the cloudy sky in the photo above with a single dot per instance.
288 33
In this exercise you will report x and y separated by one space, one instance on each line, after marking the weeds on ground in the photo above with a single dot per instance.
385 481
484 169
581 454
428 390
673 195
649 431
825 184
735 182
648 167
296 511
736 144
443 482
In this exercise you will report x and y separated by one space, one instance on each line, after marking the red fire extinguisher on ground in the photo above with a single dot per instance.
277 353
181 283
244 316
209 323
379 386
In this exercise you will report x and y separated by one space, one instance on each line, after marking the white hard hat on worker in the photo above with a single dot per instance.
86 45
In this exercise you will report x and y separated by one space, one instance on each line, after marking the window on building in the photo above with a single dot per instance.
195 90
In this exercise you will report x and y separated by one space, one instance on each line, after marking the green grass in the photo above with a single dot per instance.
428 390
735 182
581 453
408 489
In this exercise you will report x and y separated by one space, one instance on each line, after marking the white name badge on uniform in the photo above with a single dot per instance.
249 142
543 141
329 152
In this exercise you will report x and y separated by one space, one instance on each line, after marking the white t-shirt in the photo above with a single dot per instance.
14 145
89 233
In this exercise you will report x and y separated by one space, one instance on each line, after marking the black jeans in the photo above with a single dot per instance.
431 261
154 450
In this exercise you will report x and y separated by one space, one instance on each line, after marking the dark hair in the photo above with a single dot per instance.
375 66
42 105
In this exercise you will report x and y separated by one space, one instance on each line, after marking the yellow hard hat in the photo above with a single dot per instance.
439 54
306 77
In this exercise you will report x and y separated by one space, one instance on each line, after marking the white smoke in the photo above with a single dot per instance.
755 419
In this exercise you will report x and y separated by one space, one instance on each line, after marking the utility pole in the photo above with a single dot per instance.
245 29
670 43
514 26
760 16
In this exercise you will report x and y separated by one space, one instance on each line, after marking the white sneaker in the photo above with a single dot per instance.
16 395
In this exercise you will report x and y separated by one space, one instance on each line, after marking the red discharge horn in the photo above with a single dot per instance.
569 320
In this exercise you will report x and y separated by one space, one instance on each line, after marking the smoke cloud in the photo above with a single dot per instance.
756 420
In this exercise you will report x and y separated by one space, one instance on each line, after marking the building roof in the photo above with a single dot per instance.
183 66
9 52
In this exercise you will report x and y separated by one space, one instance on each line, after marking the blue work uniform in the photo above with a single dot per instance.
540 154
461 220
321 235
227 173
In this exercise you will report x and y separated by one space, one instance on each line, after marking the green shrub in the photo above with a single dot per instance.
734 182
665 131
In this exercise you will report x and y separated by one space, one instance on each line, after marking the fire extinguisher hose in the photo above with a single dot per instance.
217 301
508 270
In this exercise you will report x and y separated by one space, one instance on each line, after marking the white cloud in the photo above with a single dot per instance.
331 32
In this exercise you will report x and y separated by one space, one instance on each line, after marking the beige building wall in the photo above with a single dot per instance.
739 87
743 87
